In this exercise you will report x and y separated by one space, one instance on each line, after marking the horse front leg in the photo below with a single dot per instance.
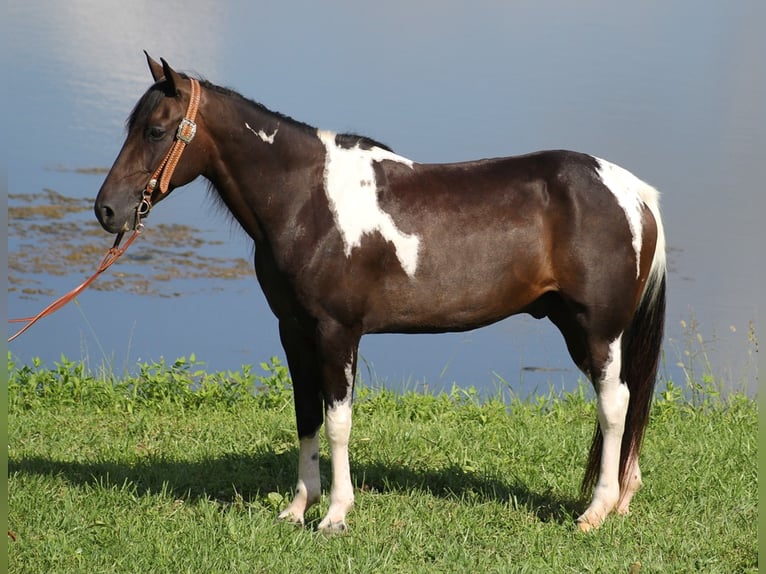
323 368
304 365
338 348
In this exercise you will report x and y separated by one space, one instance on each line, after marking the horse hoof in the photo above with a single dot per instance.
332 528
584 526
623 510
290 518
586 523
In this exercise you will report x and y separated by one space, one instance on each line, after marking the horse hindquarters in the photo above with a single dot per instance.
625 381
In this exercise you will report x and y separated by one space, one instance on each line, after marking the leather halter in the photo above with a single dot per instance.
184 135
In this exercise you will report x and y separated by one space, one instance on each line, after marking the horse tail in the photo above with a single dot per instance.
641 345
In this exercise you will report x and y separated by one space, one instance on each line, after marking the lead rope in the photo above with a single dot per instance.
106 261
185 133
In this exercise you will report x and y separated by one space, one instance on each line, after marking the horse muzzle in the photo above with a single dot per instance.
117 216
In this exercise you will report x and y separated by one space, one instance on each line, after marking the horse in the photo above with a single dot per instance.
352 239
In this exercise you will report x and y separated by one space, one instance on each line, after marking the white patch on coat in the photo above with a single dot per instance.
613 365
265 138
627 189
349 181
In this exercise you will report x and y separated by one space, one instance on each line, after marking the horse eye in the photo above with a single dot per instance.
155 133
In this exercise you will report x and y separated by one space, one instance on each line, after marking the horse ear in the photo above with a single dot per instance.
171 77
154 67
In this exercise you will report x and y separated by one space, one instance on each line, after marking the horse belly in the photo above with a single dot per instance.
451 293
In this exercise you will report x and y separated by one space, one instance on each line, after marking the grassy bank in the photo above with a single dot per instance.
177 470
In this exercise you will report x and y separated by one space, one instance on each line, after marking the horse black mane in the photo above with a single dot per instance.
354 140
152 97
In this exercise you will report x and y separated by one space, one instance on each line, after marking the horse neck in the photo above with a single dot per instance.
262 164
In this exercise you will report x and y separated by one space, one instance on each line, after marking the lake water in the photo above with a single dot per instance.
674 92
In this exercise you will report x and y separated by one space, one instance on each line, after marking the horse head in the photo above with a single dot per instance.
146 170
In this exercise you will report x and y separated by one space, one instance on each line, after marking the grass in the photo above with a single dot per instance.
178 470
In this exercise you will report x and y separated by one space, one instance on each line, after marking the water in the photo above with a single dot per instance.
672 91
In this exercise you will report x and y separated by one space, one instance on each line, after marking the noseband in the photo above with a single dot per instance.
161 176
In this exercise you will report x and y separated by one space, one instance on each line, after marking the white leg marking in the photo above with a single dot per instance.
338 427
612 402
307 490
627 189
265 138
338 423
349 179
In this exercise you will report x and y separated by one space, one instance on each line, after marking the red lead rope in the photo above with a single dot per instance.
110 257
186 131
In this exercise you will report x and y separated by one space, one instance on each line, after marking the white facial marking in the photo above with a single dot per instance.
349 180
627 189
265 138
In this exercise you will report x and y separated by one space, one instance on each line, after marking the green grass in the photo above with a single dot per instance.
177 470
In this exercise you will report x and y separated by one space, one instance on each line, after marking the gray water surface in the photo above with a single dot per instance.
672 91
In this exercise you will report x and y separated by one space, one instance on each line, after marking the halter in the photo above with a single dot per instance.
184 135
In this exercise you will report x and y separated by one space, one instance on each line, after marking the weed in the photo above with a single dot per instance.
701 383
183 383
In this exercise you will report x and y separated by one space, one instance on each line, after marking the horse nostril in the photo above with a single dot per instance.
104 213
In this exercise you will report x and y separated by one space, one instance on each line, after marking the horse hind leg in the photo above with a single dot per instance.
624 395
600 359
612 397
631 487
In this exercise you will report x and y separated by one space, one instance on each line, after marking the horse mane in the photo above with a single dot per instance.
355 140
152 97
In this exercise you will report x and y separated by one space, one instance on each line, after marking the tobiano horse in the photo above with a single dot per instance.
351 238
